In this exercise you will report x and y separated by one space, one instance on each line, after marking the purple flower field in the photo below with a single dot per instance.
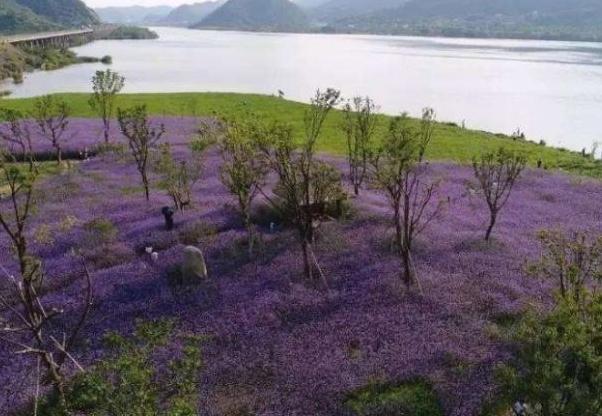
276 345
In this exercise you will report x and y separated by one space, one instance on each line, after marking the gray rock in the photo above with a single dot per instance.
194 269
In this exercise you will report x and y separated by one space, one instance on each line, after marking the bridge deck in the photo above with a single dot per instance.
43 36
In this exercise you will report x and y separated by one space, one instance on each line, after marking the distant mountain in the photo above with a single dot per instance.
68 13
539 19
189 14
133 15
309 4
334 10
257 15
22 16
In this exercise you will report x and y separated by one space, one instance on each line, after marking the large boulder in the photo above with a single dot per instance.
194 269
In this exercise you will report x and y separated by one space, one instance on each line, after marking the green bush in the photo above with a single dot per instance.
130 382
101 230
197 232
558 367
412 398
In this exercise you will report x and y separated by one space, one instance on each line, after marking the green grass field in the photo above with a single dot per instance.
450 142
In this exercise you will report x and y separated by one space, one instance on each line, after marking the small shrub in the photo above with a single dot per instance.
131 382
108 255
68 223
111 148
43 235
558 362
413 398
196 233
101 229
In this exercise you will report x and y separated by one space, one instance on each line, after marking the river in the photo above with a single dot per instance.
550 90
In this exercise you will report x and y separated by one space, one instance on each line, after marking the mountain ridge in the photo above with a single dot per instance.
133 14
190 14
257 15
21 16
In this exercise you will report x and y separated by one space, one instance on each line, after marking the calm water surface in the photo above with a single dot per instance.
550 90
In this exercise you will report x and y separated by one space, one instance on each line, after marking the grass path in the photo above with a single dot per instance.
450 142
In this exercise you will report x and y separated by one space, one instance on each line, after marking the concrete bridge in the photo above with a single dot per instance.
61 39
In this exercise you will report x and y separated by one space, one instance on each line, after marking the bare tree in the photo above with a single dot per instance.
178 176
572 259
27 323
427 128
396 169
497 173
52 117
142 138
105 86
15 134
359 126
305 184
243 171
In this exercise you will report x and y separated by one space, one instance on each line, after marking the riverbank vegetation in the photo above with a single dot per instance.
128 32
227 224
16 61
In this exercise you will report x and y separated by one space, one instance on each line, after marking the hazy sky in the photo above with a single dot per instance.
103 3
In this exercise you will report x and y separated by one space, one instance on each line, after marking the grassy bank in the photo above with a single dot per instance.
450 142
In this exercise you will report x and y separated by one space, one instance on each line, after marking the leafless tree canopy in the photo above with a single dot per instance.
359 126
305 184
52 118
105 87
497 173
142 139
396 169
244 170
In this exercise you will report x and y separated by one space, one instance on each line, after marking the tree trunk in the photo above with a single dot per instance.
408 268
250 232
106 132
492 221
145 184
306 260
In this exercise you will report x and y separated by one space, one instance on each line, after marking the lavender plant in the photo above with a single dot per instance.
52 118
359 126
142 139
106 85
243 171
396 169
496 174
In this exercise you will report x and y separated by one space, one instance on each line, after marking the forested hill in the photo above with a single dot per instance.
21 16
261 15
548 19
189 14
133 15
334 10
